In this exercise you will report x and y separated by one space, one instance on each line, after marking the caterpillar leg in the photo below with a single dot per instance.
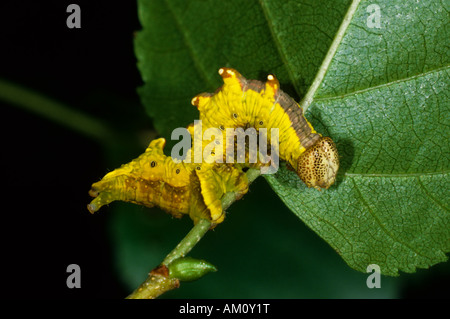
211 192
215 182
111 188
234 180
101 199
104 191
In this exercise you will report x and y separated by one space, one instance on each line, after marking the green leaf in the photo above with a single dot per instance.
387 108
383 99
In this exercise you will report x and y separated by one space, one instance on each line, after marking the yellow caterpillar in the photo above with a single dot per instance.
251 103
196 189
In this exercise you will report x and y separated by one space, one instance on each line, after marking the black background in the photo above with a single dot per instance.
45 166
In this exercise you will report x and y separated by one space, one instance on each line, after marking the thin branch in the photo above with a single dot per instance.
56 111
188 242
158 280
157 283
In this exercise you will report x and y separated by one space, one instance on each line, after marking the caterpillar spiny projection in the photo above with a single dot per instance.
196 189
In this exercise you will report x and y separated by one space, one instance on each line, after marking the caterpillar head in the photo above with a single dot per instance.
318 165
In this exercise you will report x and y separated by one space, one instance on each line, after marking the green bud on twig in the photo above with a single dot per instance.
189 269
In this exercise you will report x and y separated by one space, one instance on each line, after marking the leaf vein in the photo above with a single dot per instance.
192 53
380 224
278 46
430 196
382 175
410 78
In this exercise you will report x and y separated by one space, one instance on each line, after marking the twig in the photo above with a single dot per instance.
56 111
158 280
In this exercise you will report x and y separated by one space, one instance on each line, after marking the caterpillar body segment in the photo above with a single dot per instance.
242 103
